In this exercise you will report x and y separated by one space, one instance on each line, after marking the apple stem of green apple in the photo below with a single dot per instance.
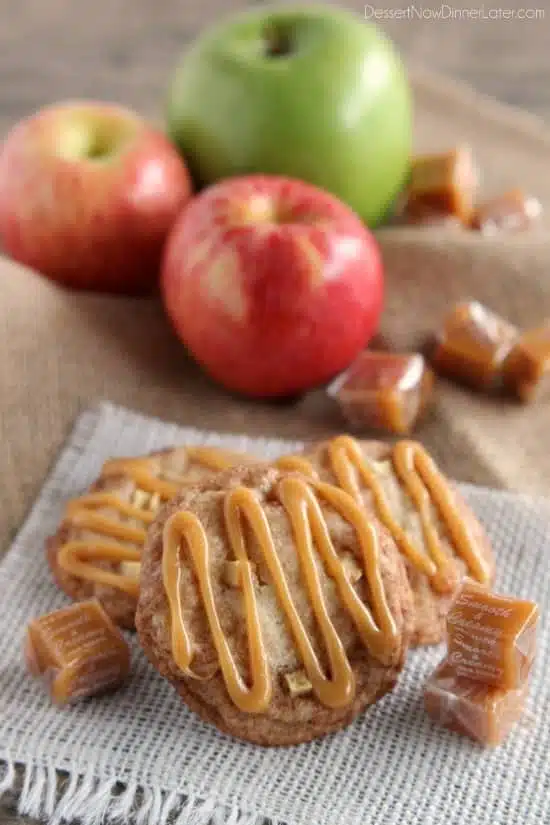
277 42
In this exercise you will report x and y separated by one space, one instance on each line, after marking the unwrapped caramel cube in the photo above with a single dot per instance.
527 367
473 345
77 652
483 712
384 391
491 638
441 184
513 211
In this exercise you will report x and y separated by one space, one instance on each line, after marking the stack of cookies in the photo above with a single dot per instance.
279 599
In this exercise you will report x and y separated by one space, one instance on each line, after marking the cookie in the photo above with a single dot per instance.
277 607
438 535
97 548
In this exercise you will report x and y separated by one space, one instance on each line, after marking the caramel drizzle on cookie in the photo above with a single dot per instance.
184 533
425 485
83 558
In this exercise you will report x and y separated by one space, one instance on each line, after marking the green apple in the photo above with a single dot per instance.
309 92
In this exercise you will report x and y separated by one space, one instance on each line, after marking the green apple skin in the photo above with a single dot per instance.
333 108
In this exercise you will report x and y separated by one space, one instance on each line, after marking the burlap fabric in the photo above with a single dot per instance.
59 351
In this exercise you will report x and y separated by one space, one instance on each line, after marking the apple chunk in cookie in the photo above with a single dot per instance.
438 535
96 551
278 608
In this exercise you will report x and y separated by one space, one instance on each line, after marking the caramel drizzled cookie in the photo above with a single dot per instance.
96 551
278 608
437 534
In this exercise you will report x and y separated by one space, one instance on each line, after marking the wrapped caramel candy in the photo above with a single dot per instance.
441 185
473 345
527 367
77 652
483 712
513 211
384 391
491 638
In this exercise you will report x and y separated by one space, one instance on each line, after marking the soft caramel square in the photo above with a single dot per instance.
384 391
513 211
491 638
482 712
441 184
472 345
77 652
527 367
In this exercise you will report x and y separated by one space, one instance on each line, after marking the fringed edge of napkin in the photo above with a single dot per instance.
42 794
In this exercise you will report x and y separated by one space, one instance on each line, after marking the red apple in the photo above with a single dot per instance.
88 193
273 285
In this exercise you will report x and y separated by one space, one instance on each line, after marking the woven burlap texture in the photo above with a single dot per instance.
391 767
61 351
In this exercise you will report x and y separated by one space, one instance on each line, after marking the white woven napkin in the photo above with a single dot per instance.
140 754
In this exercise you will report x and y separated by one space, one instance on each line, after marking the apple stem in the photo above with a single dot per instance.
277 43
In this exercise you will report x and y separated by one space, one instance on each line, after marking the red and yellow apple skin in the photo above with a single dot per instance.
88 194
272 284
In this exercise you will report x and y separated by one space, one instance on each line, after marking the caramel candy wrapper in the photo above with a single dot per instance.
485 713
491 638
527 367
473 345
384 391
441 184
514 211
78 652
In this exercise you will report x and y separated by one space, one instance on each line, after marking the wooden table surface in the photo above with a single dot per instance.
124 49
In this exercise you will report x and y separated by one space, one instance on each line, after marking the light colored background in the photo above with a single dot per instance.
123 50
